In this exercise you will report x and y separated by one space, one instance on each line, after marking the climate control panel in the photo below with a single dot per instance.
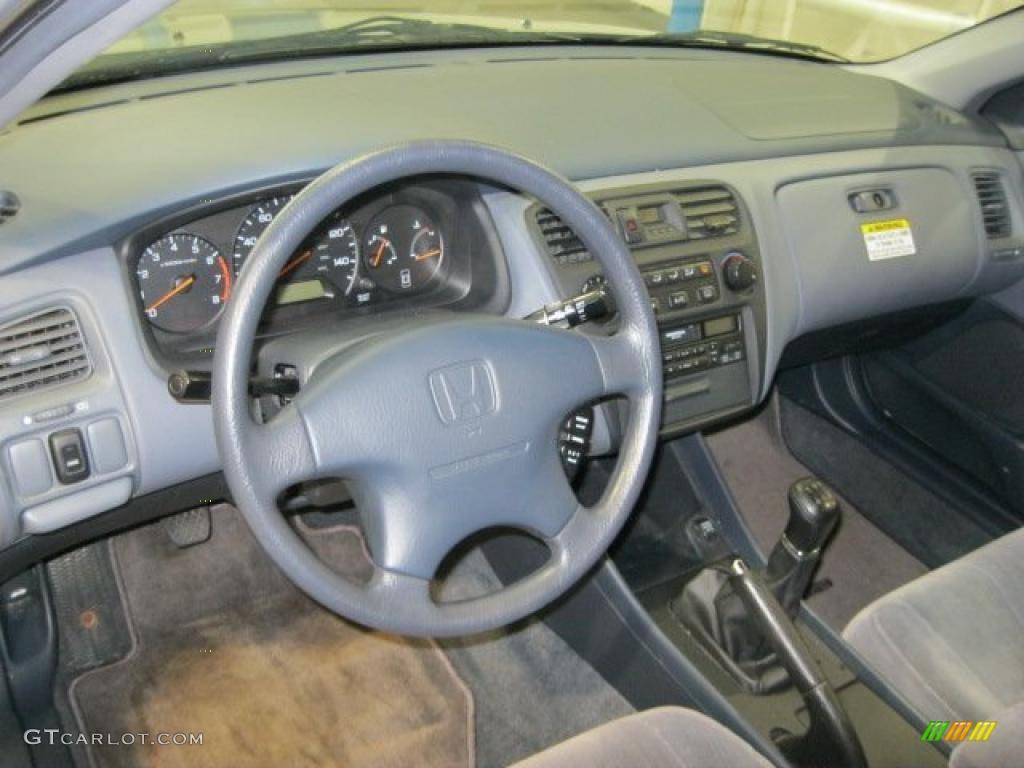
694 245
677 287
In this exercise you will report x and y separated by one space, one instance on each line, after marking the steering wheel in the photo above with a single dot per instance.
446 427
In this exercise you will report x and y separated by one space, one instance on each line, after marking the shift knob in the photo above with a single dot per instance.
813 514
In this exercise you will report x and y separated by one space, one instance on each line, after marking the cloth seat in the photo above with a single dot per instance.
952 641
667 737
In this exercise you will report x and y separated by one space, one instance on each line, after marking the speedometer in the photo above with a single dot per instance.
254 225
325 266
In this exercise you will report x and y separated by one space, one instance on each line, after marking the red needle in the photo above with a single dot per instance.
380 252
300 259
184 285
429 254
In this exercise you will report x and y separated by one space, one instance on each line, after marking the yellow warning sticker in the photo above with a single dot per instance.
888 239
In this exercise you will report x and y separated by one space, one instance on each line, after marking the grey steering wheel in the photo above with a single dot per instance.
448 426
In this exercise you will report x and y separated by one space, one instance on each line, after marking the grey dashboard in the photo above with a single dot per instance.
101 175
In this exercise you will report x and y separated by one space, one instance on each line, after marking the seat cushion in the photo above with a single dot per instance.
668 737
1003 749
951 641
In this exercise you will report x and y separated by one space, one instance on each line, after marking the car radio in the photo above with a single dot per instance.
698 346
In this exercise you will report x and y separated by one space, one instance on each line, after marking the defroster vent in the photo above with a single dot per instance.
42 350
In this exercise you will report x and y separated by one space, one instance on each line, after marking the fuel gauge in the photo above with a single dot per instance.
403 249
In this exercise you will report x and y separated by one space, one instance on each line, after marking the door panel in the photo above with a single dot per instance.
960 390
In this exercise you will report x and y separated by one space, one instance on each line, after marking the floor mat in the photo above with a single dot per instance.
531 690
226 647
918 520
860 561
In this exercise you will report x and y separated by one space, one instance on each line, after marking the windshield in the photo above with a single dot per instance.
196 33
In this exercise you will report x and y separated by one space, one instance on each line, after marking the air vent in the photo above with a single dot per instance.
562 244
709 212
40 351
9 205
994 210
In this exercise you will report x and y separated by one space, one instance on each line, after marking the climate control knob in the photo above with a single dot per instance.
739 272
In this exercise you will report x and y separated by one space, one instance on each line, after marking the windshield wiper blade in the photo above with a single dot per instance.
706 38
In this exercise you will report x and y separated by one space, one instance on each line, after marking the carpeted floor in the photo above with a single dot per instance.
224 646
221 643
860 561
928 527
531 689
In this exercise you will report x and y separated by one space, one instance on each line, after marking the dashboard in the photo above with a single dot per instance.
763 199
421 244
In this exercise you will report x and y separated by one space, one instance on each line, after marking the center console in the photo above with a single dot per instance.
697 251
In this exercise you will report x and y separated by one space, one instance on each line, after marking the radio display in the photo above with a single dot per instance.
720 326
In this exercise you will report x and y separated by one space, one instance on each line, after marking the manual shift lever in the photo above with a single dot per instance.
813 514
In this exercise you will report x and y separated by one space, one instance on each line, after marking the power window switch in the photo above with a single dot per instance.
69 459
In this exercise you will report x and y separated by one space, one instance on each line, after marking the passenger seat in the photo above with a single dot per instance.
952 644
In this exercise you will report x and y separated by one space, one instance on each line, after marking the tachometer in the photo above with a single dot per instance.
184 282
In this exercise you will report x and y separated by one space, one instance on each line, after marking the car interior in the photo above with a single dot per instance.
473 383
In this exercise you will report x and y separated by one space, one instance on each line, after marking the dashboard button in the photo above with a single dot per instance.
69 459
678 300
707 294
106 442
31 467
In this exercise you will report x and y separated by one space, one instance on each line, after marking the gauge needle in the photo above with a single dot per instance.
380 252
429 254
181 287
301 258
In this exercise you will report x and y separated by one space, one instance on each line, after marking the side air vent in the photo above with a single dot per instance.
561 242
709 212
994 210
41 350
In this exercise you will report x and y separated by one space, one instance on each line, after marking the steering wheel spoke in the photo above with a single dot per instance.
620 365
280 453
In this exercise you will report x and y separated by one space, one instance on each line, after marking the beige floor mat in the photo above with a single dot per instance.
227 648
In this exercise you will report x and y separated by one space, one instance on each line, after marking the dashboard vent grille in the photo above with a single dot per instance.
42 350
561 242
995 212
709 212
9 205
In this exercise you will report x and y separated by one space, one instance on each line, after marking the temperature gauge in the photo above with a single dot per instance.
403 249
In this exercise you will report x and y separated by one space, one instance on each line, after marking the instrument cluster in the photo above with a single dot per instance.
398 248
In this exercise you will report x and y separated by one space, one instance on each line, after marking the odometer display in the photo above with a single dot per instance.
184 281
